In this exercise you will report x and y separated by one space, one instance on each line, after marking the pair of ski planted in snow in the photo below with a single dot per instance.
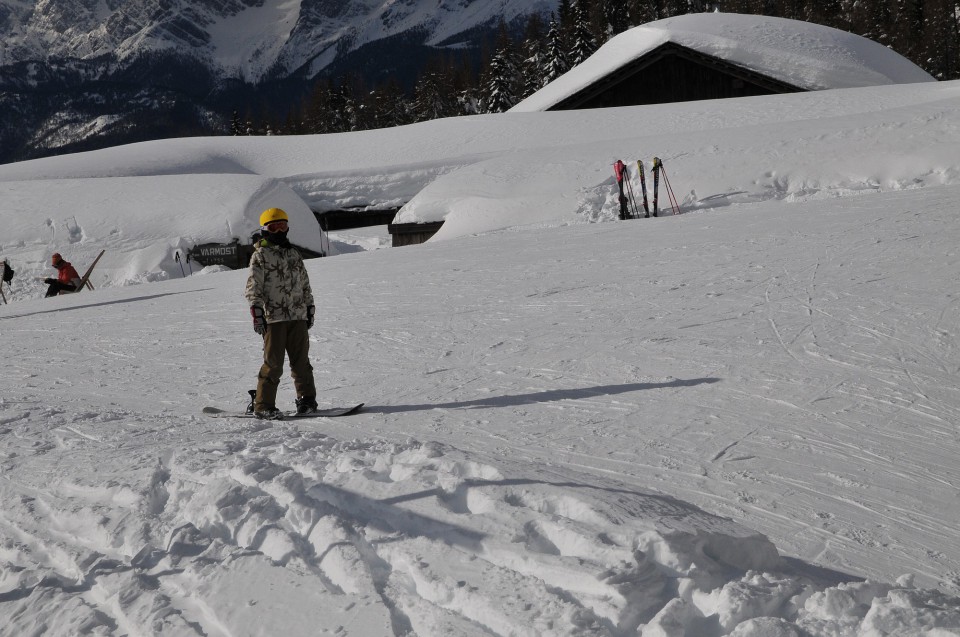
627 200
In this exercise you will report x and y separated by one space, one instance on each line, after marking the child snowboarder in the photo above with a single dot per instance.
67 278
281 303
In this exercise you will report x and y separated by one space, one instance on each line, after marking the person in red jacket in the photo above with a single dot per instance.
67 278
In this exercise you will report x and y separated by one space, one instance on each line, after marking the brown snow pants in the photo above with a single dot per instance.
289 338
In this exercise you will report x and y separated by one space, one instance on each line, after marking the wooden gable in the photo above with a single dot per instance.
673 73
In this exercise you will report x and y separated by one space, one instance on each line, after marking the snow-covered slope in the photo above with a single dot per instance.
802 54
144 223
710 424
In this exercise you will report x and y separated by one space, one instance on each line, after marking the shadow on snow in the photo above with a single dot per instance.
552 395
104 303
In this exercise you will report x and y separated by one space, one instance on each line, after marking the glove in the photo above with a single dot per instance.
311 312
259 320
49 281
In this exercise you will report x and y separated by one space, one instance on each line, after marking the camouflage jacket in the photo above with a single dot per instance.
278 283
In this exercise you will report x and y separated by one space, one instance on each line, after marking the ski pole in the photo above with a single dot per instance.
673 198
189 265
177 259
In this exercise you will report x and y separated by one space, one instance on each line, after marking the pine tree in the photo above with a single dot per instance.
434 96
871 20
236 125
391 107
498 95
939 40
317 108
793 9
907 34
584 44
744 6
469 101
343 109
826 12
465 87
379 108
565 17
642 11
556 63
533 55
293 125
670 8
614 16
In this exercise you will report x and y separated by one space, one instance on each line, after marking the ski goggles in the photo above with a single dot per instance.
276 226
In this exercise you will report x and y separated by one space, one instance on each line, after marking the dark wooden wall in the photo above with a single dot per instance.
407 234
673 73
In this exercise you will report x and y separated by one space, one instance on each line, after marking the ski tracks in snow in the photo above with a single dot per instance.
368 537
541 454
865 380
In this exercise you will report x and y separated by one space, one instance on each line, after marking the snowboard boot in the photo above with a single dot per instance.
269 413
306 405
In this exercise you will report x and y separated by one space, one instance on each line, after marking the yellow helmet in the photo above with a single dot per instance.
272 214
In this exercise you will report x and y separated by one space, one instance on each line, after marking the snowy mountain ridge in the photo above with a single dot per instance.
250 40
82 74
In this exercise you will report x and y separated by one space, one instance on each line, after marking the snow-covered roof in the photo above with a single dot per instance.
808 56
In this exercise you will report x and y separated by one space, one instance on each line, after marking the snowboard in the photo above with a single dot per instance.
216 412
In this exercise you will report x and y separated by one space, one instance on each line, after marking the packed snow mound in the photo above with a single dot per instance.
492 172
808 56
717 153
143 223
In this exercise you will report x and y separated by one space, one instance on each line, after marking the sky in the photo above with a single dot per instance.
741 419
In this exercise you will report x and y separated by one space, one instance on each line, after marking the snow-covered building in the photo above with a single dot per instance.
720 55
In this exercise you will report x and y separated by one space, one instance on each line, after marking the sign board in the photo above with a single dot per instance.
232 255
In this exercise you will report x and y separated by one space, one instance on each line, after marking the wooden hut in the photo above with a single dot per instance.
705 56
673 73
